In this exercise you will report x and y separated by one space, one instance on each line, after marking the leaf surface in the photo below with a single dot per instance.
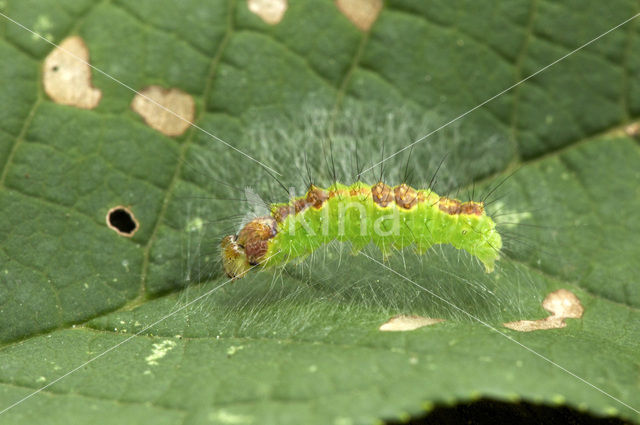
303 345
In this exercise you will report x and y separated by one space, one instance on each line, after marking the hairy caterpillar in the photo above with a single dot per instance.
390 217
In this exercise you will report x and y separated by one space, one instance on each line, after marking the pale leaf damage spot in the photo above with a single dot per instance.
562 304
227 417
67 76
40 28
632 130
509 217
270 11
170 111
234 349
407 323
363 13
159 350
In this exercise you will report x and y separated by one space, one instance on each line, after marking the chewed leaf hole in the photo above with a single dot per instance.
122 220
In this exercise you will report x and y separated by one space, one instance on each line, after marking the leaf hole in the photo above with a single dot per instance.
122 220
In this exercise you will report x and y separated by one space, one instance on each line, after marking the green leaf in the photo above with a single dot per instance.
303 345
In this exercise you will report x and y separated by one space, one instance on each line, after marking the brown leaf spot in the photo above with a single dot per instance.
66 75
562 304
550 322
363 13
407 323
270 11
159 118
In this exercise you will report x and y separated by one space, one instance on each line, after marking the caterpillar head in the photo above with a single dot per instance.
234 260
241 252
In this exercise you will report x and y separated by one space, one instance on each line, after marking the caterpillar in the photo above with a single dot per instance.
390 217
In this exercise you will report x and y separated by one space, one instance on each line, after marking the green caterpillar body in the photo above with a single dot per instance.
389 217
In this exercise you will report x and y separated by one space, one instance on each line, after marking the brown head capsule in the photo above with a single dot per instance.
234 260
240 253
